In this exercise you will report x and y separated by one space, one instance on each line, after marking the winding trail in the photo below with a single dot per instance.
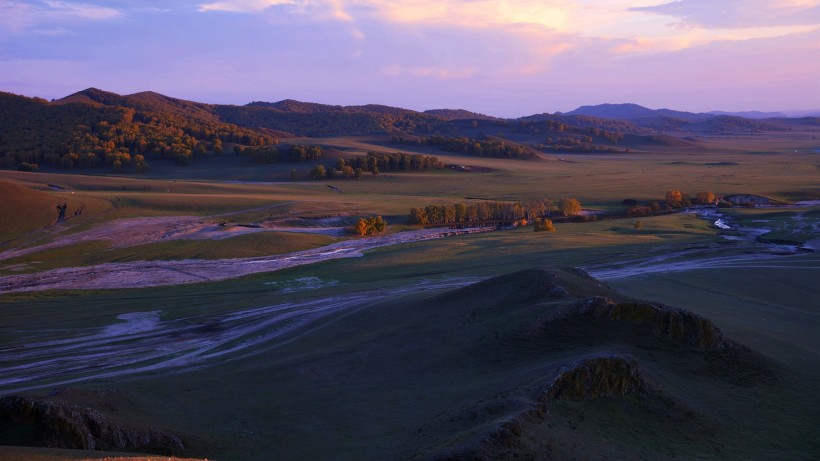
142 342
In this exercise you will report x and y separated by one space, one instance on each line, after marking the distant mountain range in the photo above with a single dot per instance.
296 116
628 111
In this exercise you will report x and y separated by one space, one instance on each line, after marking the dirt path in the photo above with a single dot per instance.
141 274
142 342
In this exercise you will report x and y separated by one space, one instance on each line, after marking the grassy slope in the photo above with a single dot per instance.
413 376
24 210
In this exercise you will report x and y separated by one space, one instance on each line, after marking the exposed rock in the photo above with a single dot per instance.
62 425
658 320
597 377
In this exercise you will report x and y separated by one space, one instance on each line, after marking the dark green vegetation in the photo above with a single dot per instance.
480 346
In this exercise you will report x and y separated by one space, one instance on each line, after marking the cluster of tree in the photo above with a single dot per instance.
543 225
370 226
642 210
481 212
341 170
271 154
581 144
398 161
482 147
678 199
374 163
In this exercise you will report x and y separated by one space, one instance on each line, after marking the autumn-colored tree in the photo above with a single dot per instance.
370 226
318 172
569 206
361 227
140 165
418 216
705 197
543 225
638 225
677 199
673 195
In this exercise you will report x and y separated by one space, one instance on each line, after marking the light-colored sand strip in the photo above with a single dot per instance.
141 274
141 342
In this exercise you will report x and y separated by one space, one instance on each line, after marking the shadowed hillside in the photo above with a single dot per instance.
537 364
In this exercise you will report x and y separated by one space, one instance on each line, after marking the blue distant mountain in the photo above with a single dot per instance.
755 114
630 111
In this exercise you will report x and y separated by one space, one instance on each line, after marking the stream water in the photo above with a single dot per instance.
742 249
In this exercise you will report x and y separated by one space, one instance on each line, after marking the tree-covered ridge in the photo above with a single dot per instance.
459 114
102 128
310 119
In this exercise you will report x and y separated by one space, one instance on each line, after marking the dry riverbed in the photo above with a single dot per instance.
140 274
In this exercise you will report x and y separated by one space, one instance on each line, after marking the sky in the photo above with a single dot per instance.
504 58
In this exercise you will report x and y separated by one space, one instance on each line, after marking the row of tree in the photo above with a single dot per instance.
482 147
397 161
677 199
271 154
374 163
488 211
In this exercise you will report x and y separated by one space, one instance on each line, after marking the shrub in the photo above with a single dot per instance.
28 167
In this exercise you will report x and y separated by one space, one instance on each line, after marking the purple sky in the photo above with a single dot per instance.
506 58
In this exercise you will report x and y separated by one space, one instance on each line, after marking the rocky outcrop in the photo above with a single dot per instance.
61 425
597 377
658 320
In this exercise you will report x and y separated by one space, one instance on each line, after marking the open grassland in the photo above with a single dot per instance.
366 358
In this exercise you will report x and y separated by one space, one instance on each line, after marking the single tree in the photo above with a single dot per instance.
569 206
318 172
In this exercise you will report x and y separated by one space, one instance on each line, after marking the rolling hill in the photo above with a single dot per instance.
95 128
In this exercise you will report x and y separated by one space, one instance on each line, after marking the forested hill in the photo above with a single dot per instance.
311 119
459 114
94 128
